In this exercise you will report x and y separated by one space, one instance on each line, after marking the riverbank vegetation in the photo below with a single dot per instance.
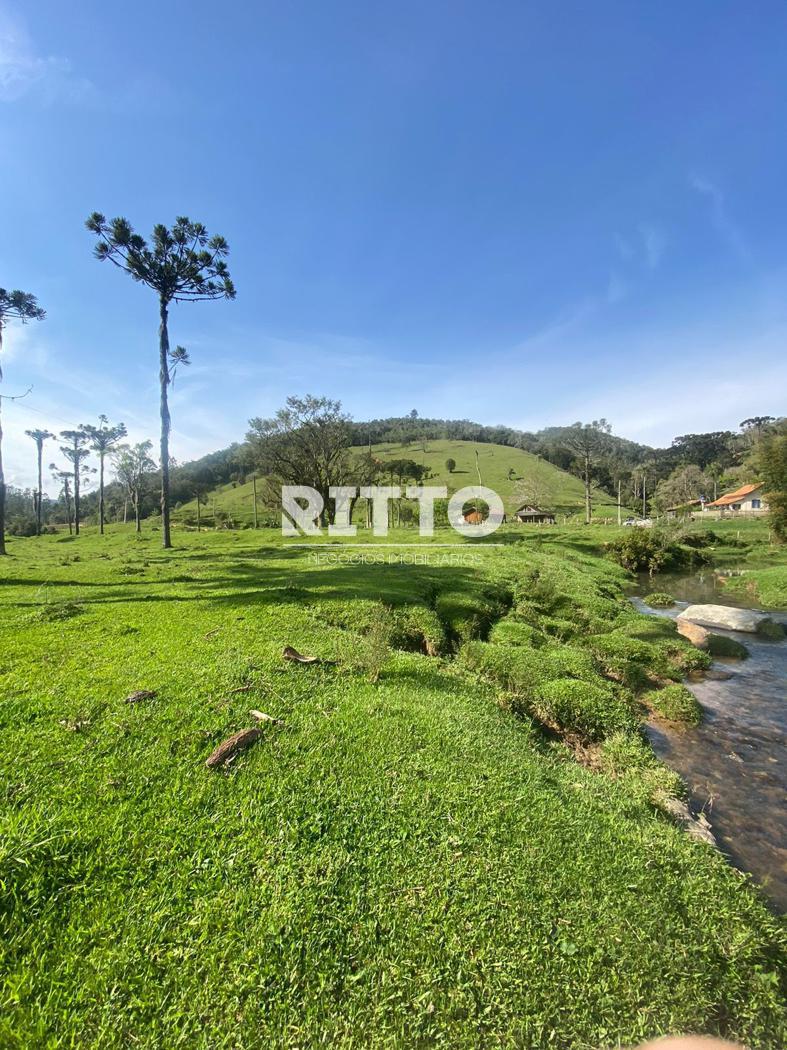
455 835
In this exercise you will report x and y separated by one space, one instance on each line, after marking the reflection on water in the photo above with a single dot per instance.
734 763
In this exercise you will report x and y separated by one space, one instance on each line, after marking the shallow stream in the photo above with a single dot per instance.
735 763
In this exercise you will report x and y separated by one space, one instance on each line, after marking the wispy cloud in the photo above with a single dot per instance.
724 225
654 243
644 246
26 73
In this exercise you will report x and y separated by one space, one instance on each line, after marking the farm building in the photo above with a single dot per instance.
748 499
534 516
685 509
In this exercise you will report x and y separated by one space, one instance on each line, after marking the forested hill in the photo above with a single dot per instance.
406 429
410 432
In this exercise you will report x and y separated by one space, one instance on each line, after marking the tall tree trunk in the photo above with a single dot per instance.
67 492
588 507
76 497
40 487
125 509
199 520
138 525
163 342
2 475
101 493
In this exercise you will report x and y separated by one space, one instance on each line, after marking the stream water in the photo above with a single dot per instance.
734 763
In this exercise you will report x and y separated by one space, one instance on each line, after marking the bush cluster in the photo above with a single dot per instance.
652 551
557 684
660 600
676 703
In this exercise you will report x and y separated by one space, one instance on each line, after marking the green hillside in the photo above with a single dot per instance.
532 479
556 489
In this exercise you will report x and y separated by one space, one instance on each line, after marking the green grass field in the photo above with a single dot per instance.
412 857
557 490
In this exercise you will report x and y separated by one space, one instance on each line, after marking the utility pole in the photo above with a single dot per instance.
254 497
644 493
619 501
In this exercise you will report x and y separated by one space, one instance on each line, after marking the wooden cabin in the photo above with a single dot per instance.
534 516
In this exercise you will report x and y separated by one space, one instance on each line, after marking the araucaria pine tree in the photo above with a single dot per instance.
64 478
180 265
14 306
103 439
76 453
39 436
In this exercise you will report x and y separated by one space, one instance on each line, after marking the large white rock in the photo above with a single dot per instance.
724 616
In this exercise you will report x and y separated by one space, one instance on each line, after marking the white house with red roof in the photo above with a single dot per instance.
748 499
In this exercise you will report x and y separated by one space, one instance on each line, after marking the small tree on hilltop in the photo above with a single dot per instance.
756 426
132 463
39 436
450 465
103 439
14 306
587 442
76 453
180 265
306 443
63 477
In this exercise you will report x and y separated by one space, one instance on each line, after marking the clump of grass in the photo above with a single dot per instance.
413 628
629 758
592 711
628 660
642 645
660 600
53 612
558 685
513 632
130 570
368 652
676 703
470 613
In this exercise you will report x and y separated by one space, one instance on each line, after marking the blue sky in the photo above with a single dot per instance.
520 213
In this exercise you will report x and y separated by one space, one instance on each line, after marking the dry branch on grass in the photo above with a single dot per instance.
232 746
141 694
292 654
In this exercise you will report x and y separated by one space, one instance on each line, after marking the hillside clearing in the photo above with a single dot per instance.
543 482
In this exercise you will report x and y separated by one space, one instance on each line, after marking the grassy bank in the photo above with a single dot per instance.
760 564
412 856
